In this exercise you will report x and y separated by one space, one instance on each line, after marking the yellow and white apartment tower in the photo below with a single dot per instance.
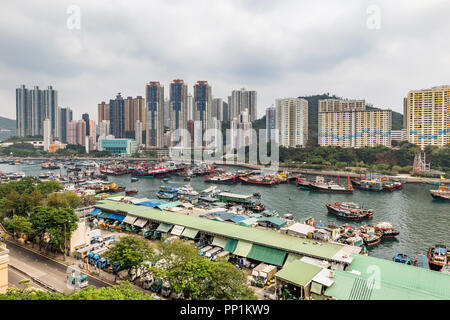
348 124
292 122
427 116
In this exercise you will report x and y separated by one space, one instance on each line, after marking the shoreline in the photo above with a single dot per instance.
329 173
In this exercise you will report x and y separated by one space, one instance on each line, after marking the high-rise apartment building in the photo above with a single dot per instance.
33 107
348 124
243 99
292 122
104 128
65 115
117 116
202 104
103 111
154 94
427 115
135 109
178 102
92 135
47 134
76 133
85 118
217 109
138 133
271 124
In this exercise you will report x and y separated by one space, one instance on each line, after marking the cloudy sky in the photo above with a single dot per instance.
376 50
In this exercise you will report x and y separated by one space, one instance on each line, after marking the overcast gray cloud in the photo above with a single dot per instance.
279 48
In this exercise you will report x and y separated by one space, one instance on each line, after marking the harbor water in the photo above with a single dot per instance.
422 221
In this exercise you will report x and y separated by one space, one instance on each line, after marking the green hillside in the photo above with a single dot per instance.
7 128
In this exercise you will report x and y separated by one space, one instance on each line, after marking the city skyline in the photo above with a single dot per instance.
303 51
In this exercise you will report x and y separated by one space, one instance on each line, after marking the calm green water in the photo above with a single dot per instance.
422 221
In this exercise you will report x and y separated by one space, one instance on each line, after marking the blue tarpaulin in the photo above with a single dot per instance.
116 217
236 219
151 204
227 216
95 212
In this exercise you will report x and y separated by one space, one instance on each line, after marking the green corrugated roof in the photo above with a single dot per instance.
231 245
291 258
350 286
267 255
248 222
243 248
274 220
299 273
189 233
400 275
268 238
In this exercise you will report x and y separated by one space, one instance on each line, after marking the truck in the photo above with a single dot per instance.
165 290
147 281
156 285
263 274
102 263
212 252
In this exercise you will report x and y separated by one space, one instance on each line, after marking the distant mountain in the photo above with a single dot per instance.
7 128
313 112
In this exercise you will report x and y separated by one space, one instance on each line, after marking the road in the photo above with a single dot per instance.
15 276
42 269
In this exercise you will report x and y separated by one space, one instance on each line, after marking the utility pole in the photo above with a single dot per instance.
65 241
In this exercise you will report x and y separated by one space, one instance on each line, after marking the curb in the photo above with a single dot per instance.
59 262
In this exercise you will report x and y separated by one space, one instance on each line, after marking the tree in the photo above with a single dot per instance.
130 252
67 199
198 277
53 225
19 225
124 291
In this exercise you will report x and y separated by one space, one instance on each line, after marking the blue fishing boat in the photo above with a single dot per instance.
402 258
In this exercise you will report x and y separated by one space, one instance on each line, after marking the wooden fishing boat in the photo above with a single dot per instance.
437 257
131 192
349 211
386 230
330 187
442 193
370 237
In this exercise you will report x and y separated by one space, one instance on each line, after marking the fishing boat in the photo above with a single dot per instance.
289 216
442 193
367 184
165 196
303 184
165 180
255 207
224 178
134 179
402 258
386 230
330 187
168 189
187 190
131 192
421 261
259 180
370 237
437 257
257 195
349 211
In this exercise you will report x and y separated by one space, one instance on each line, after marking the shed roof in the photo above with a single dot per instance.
298 273
268 238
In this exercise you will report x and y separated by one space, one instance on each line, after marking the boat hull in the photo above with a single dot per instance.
315 188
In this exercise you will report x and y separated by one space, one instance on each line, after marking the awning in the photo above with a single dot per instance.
177 230
267 255
95 212
129 219
219 242
231 245
140 223
243 248
189 233
164 206
114 216
316 288
151 204
163 227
